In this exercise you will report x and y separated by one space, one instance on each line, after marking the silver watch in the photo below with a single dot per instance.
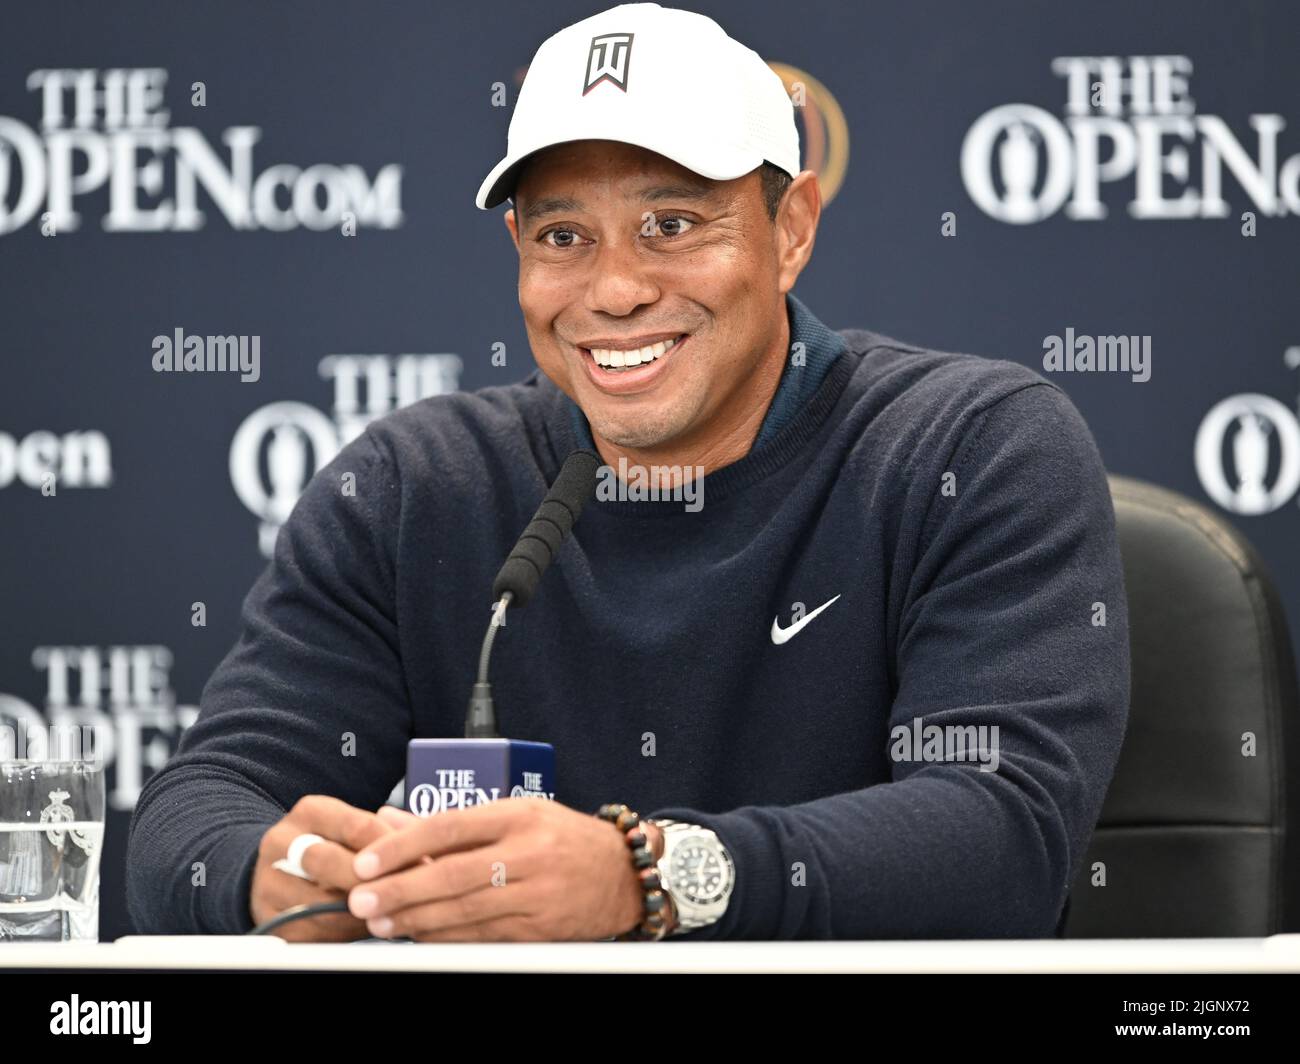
697 872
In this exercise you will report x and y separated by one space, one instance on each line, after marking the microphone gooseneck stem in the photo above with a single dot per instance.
481 719
498 621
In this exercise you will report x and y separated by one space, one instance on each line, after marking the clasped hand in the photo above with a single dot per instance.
518 869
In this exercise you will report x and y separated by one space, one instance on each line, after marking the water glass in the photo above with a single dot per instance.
51 837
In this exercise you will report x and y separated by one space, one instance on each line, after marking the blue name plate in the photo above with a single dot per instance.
443 774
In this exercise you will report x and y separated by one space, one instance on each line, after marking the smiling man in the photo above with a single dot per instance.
654 298
874 687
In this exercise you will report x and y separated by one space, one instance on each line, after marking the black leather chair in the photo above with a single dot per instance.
1196 839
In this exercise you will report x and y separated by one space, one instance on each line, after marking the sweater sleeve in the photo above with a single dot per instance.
1002 629
311 700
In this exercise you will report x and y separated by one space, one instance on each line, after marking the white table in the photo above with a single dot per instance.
1279 953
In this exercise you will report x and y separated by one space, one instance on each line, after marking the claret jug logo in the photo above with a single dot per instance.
107 130
1128 122
281 446
1247 451
1240 440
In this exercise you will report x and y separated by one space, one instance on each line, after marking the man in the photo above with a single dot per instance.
874 685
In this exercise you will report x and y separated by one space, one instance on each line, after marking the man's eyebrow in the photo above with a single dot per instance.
535 209
657 193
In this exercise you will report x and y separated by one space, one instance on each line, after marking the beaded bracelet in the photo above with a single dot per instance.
653 925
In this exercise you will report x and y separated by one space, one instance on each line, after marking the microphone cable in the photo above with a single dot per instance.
298 912
303 912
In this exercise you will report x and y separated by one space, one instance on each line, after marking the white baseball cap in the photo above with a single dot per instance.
667 80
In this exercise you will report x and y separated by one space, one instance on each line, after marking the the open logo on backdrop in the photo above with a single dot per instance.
1130 122
107 132
1248 452
825 131
280 447
123 693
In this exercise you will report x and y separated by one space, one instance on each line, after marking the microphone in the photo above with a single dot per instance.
444 774
541 540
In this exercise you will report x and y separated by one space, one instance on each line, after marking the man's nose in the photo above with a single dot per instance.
621 280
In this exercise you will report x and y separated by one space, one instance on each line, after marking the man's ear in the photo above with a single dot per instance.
512 226
796 227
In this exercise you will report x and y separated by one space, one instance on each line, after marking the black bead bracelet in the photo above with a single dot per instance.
654 921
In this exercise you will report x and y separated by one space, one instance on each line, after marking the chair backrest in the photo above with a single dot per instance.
1200 832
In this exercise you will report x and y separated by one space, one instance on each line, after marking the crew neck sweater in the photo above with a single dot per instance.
924 544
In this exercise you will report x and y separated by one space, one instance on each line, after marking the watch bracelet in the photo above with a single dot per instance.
683 923
653 925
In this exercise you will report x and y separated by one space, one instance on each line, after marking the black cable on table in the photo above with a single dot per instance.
298 912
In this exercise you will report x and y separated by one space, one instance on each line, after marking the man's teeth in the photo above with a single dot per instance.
636 357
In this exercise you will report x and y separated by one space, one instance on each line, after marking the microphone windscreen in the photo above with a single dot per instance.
576 483
541 540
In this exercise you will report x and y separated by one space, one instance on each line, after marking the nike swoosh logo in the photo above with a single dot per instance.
782 635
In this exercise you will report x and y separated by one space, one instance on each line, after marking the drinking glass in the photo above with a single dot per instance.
51 837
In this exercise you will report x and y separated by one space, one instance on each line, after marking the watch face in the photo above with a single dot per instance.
698 873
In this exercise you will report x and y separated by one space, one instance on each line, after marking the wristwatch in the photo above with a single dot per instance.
697 873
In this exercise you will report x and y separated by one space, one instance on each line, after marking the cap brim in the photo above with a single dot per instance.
500 182
713 162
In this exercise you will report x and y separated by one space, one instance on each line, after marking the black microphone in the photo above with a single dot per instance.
444 774
516 581
541 540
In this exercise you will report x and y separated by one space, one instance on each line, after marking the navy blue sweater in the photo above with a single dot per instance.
955 509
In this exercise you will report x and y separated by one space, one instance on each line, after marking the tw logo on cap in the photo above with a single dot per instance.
608 61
